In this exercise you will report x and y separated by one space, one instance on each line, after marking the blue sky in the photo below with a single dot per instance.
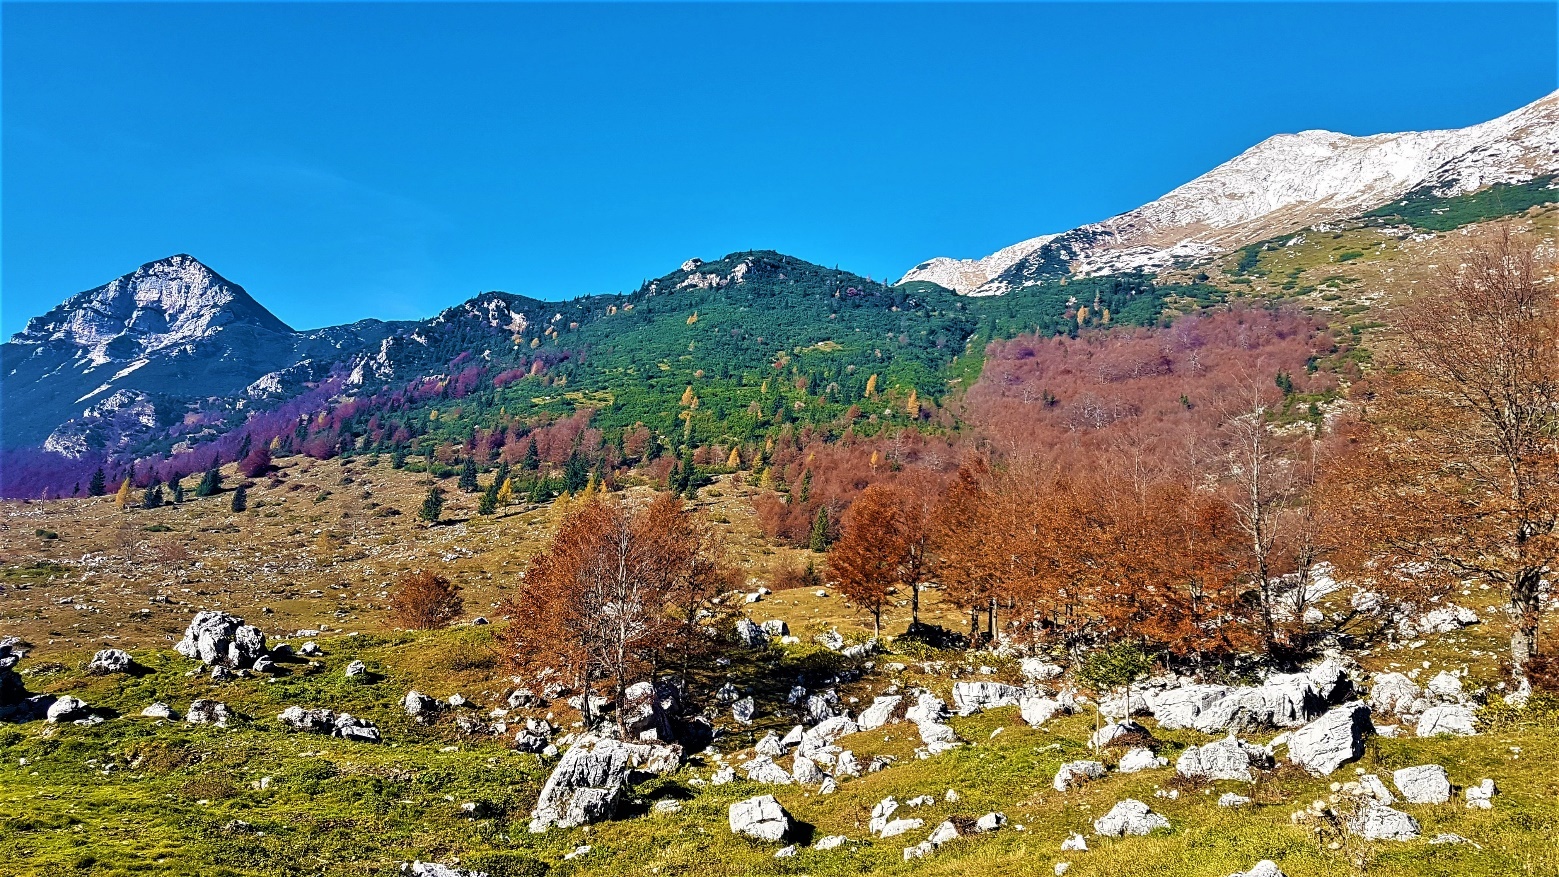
346 161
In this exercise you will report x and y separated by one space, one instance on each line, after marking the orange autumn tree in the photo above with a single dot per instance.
616 595
883 545
1456 477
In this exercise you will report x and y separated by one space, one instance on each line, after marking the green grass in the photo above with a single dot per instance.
183 800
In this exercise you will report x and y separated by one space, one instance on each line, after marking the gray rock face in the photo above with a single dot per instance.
585 786
1038 710
1227 759
12 650
1107 735
218 639
1423 784
821 706
66 709
1177 708
109 661
323 721
1283 701
806 772
750 635
1332 740
1395 694
743 710
1379 822
419 706
1452 719
971 697
880 712
1139 759
1129 817
1481 796
761 817
208 712
926 708
775 627
1075 773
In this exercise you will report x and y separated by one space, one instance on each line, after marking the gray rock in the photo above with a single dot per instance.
1177 708
1074 843
418 705
900 826
775 627
158 710
1114 731
220 639
1282 701
356 668
1227 759
1454 720
726 774
833 841
66 709
349 728
1332 740
1379 822
310 649
750 635
1481 796
806 772
1423 784
1445 687
109 661
308 721
761 817
1263 868
264 664
744 710
586 785
823 705
1129 817
972 697
927 708
1075 773
1230 799
1038 710
208 712
990 822
771 745
880 712
882 813
1139 759
1395 694
763 770
1039 670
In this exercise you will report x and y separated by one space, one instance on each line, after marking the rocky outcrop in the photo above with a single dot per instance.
1332 740
1448 719
1129 817
1227 759
585 787
109 661
972 697
1423 784
1075 773
218 639
1379 822
762 818
323 721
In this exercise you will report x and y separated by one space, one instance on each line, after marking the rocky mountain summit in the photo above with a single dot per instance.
1282 184
134 355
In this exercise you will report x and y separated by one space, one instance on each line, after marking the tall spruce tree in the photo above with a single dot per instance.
432 505
210 483
468 483
99 483
240 498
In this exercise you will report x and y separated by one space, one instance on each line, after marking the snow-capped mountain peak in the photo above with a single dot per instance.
1285 183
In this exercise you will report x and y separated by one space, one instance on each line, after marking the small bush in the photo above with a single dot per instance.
45 534
425 600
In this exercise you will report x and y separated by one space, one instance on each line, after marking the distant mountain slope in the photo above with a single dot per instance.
1291 181
967 275
133 355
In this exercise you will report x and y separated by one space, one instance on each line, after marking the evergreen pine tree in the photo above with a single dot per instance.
398 458
178 490
152 499
576 473
210 483
804 491
818 539
532 461
99 483
240 498
432 505
468 482
489 501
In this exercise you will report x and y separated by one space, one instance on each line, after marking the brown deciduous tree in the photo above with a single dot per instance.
424 600
1457 475
884 545
618 594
